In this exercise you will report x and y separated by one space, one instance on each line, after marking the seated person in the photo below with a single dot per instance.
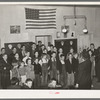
27 84
53 84
14 84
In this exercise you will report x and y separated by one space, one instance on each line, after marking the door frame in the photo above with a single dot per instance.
42 36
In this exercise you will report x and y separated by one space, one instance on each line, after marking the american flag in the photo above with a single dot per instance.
40 18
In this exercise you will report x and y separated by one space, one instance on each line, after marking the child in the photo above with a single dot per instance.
28 84
29 69
70 70
22 72
38 72
53 66
14 71
44 63
62 71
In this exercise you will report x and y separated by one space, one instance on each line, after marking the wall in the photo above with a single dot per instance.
15 15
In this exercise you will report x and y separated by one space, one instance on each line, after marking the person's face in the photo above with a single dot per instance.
29 62
23 48
22 64
36 54
71 50
33 46
44 56
54 55
92 46
19 46
5 57
40 43
3 51
28 54
45 51
43 47
14 50
76 56
49 48
63 58
16 55
55 49
62 42
70 56
90 53
29 84
60 50
36 61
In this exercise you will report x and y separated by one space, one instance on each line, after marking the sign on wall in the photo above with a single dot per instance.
15 29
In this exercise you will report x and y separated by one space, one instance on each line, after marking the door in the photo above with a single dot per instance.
45 39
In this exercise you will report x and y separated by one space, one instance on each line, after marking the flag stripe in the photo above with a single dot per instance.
46 15
47 12
40 24
45 19
40 21
40 27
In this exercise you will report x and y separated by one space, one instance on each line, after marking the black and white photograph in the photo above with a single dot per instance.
53 47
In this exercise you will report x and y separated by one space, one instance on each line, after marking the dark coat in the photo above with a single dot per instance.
5 73
84 75
69 66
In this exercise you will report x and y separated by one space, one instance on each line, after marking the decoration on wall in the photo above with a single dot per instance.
64 29
15 29
58 34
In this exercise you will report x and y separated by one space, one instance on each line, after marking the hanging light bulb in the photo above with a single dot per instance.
85 31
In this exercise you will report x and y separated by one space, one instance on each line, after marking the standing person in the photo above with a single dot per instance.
53 66
5 69
70 70
38 48
19 49
62 71
2 52
22 73
23 51
11 56
17 58
92 59
44 64
97 65
75 66
30 69
14 70
38 73
84 72
33 49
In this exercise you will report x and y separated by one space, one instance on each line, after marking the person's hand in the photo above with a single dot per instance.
77 85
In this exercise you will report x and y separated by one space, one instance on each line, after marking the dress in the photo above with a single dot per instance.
30 72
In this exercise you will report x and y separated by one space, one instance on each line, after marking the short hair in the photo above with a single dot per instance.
92 44
53 52
14 80
44 54
39 41
13 47
28 79
69 54
2 49
28 60
62 55
4 54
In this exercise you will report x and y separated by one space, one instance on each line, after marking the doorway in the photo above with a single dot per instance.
45 39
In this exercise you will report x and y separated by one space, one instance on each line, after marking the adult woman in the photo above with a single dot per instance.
5 72
84 72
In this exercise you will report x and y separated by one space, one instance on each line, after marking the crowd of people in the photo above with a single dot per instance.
48 67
